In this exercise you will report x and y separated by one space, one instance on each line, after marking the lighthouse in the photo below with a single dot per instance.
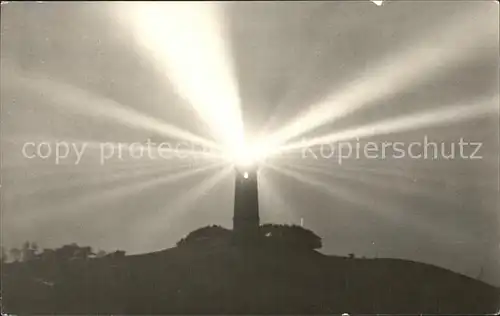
246 204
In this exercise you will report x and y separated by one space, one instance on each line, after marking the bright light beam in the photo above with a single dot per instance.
332 191
389 211
187 41
406 123
375 181
272 200
203 188
116 193
422 60
87 178
85 103
134 188
182 205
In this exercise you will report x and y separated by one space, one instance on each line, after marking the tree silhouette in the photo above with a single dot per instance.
100 254
67 252
15 254
83 253
47 255
29 251
70 252
283 235
116 254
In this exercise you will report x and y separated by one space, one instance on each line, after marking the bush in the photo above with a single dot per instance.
212 233
292 236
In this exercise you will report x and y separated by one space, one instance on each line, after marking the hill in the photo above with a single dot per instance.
222 278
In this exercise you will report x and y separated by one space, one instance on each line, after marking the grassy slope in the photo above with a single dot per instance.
225 279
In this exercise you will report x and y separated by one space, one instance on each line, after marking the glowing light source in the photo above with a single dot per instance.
244 162
245 175
243 156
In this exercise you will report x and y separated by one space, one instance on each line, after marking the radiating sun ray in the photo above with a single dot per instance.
419 61
187 41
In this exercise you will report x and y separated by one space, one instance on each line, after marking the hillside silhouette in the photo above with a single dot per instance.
281 272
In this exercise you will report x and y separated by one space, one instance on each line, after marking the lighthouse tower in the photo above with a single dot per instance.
246 204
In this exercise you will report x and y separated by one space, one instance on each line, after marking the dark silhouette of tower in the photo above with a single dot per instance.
246 204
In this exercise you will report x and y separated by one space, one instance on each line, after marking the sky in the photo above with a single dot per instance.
406 71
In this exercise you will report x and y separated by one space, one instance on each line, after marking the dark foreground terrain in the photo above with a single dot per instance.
223 278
